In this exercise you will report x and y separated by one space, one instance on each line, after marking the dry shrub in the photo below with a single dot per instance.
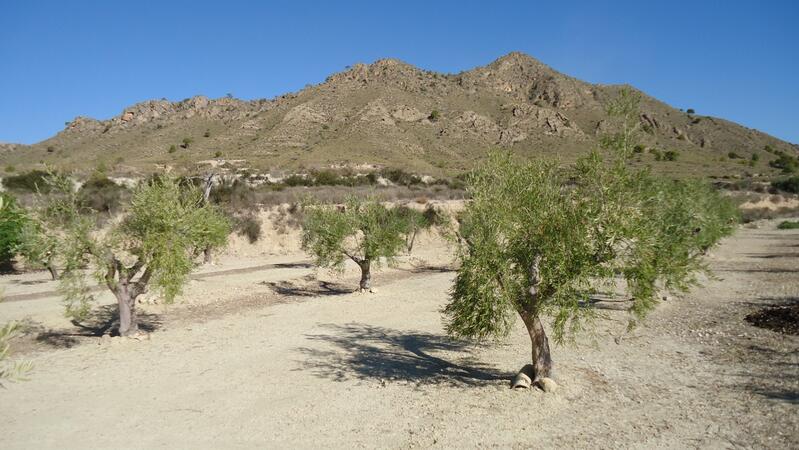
250 227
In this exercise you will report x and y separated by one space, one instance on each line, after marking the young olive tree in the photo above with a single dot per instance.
364 231
418 221
540 240
152 246
39 245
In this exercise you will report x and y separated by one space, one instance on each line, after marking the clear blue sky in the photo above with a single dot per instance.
60 59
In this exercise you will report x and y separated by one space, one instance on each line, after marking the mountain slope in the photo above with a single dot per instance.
392 113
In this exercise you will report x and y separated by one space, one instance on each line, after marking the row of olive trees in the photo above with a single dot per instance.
536 240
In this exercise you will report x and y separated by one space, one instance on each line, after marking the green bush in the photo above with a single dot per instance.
327 178
434 115
33 181
233 195
657 153
785 162
298 180
172 148
690 111
671 155
250 227
102 195
401 177
788 225
10 168
186 142
733 155
12 222
788 185
755 157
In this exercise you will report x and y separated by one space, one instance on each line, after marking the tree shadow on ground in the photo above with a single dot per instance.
772 381
769 270
769 366
776 314
426 268
301 265
382 355
308 289
772 255
102 321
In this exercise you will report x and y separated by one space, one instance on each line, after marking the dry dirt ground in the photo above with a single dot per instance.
261 354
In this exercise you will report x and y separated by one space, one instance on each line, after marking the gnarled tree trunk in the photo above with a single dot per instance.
366 274
128 321
541 357
528 311
118 278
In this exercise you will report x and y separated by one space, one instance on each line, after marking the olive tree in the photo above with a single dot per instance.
39 246
541 240
151 246
364 231
416 222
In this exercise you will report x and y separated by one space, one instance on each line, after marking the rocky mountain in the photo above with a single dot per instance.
394 114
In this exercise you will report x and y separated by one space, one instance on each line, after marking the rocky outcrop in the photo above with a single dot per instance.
85 125
405 113
533 119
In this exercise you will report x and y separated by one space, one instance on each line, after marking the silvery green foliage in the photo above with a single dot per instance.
361 230
163 227
11 371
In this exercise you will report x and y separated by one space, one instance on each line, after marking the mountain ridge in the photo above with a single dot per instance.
392 113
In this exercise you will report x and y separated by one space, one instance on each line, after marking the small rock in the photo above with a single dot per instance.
548 384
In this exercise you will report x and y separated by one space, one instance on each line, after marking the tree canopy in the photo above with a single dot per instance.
364 231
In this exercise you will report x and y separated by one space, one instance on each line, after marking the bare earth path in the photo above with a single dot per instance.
348 370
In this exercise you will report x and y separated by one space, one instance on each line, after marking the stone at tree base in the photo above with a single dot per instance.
547 384
524 379
521 381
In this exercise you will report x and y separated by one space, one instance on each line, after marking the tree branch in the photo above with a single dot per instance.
140 286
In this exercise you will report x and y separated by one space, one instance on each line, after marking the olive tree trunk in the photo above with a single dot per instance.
128 321
118 278
541 366
209 183
53 271
207 257
541 357
366 274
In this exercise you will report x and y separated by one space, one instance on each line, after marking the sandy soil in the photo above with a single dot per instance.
270 357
